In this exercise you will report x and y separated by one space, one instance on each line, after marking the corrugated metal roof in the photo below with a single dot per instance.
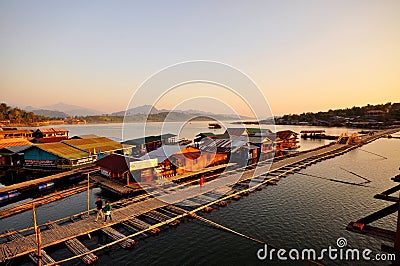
14 149
286 134
18 131
62 150
230 144
86 136
52 130
4 143
91 144
205 134
235 131
148 139
162 153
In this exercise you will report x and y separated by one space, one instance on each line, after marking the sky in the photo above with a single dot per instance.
303 55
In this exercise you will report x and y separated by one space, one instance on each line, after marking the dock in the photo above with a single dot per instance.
217 190
34 183
316 134
110 185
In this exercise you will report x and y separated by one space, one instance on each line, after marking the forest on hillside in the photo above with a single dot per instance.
15 115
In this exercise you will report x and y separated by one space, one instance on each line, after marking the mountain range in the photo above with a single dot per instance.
63 110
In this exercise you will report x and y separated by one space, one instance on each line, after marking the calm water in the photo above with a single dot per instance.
301 212
188 130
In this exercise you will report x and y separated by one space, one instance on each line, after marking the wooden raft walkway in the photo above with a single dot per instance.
22 246
38 181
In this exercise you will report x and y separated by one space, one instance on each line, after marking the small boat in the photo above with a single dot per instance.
46 185
13 194
214 126
3 197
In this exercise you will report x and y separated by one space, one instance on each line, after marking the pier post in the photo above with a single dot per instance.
88 195
397 241
39 246
34 222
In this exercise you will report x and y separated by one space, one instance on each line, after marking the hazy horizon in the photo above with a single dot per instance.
304 56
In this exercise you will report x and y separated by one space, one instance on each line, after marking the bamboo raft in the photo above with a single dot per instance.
129 214
24 206
141 225
76 247
158 216
47 179
46 259
115 235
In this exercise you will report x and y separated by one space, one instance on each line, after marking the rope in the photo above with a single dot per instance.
374 153
245 236
334 180
356 175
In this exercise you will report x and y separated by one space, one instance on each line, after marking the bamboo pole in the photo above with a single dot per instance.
397 241
34 222
88 195
39 247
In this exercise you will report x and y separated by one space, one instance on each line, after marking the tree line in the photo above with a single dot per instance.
18 116
391 112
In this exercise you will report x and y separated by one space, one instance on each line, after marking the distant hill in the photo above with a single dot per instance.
178 115
71 110
50 113
144 109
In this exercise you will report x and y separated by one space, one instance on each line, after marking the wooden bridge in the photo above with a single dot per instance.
229 185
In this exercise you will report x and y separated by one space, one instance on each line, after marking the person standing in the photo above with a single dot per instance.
107 210
201 181
99 208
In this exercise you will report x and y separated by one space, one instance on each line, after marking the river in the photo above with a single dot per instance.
300 212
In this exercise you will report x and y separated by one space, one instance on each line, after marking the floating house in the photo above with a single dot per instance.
49 135
11 151
56 155
174 159
127 169
16 133
99 146
237 149
284 141
252 132
141 146
201 136
12 156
